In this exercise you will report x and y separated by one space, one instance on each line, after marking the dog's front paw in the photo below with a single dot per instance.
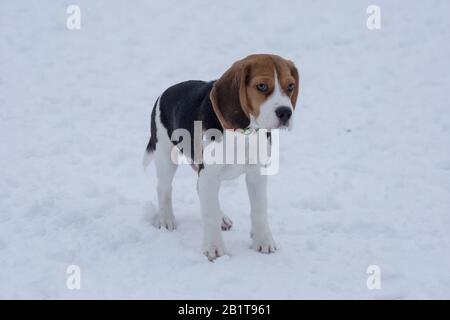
263 243
214 249
164 221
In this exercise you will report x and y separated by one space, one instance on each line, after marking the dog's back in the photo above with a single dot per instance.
179 107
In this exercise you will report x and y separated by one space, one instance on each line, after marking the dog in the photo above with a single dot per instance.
257 92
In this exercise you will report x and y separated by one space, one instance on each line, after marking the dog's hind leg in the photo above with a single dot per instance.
226 222
165 171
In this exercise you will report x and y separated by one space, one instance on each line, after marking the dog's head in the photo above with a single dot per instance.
259 91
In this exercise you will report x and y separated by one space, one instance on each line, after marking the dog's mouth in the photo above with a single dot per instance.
283 126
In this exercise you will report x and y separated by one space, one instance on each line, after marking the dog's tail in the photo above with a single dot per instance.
147 159
151 146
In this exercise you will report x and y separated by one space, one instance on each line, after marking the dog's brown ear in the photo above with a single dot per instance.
229 97
294 73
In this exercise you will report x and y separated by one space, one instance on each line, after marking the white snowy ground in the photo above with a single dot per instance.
364 179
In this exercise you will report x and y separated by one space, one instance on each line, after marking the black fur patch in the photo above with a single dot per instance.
151 146
186 102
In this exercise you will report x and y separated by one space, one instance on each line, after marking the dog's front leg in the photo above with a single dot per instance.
208 189
262 240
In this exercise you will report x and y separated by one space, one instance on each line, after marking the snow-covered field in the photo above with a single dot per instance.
364 177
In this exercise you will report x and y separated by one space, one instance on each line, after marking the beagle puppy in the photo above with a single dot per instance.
257 92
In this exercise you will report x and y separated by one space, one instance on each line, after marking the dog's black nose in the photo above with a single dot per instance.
283 113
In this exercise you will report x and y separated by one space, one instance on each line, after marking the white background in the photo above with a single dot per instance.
364 176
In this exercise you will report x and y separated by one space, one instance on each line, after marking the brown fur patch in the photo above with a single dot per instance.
235 96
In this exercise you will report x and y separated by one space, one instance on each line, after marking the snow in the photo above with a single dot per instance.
364 176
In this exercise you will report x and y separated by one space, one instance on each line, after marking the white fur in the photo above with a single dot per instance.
262 240
165 171
213 218
208 187
147 159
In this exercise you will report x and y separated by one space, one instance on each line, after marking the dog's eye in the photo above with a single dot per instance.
290 87
262 87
